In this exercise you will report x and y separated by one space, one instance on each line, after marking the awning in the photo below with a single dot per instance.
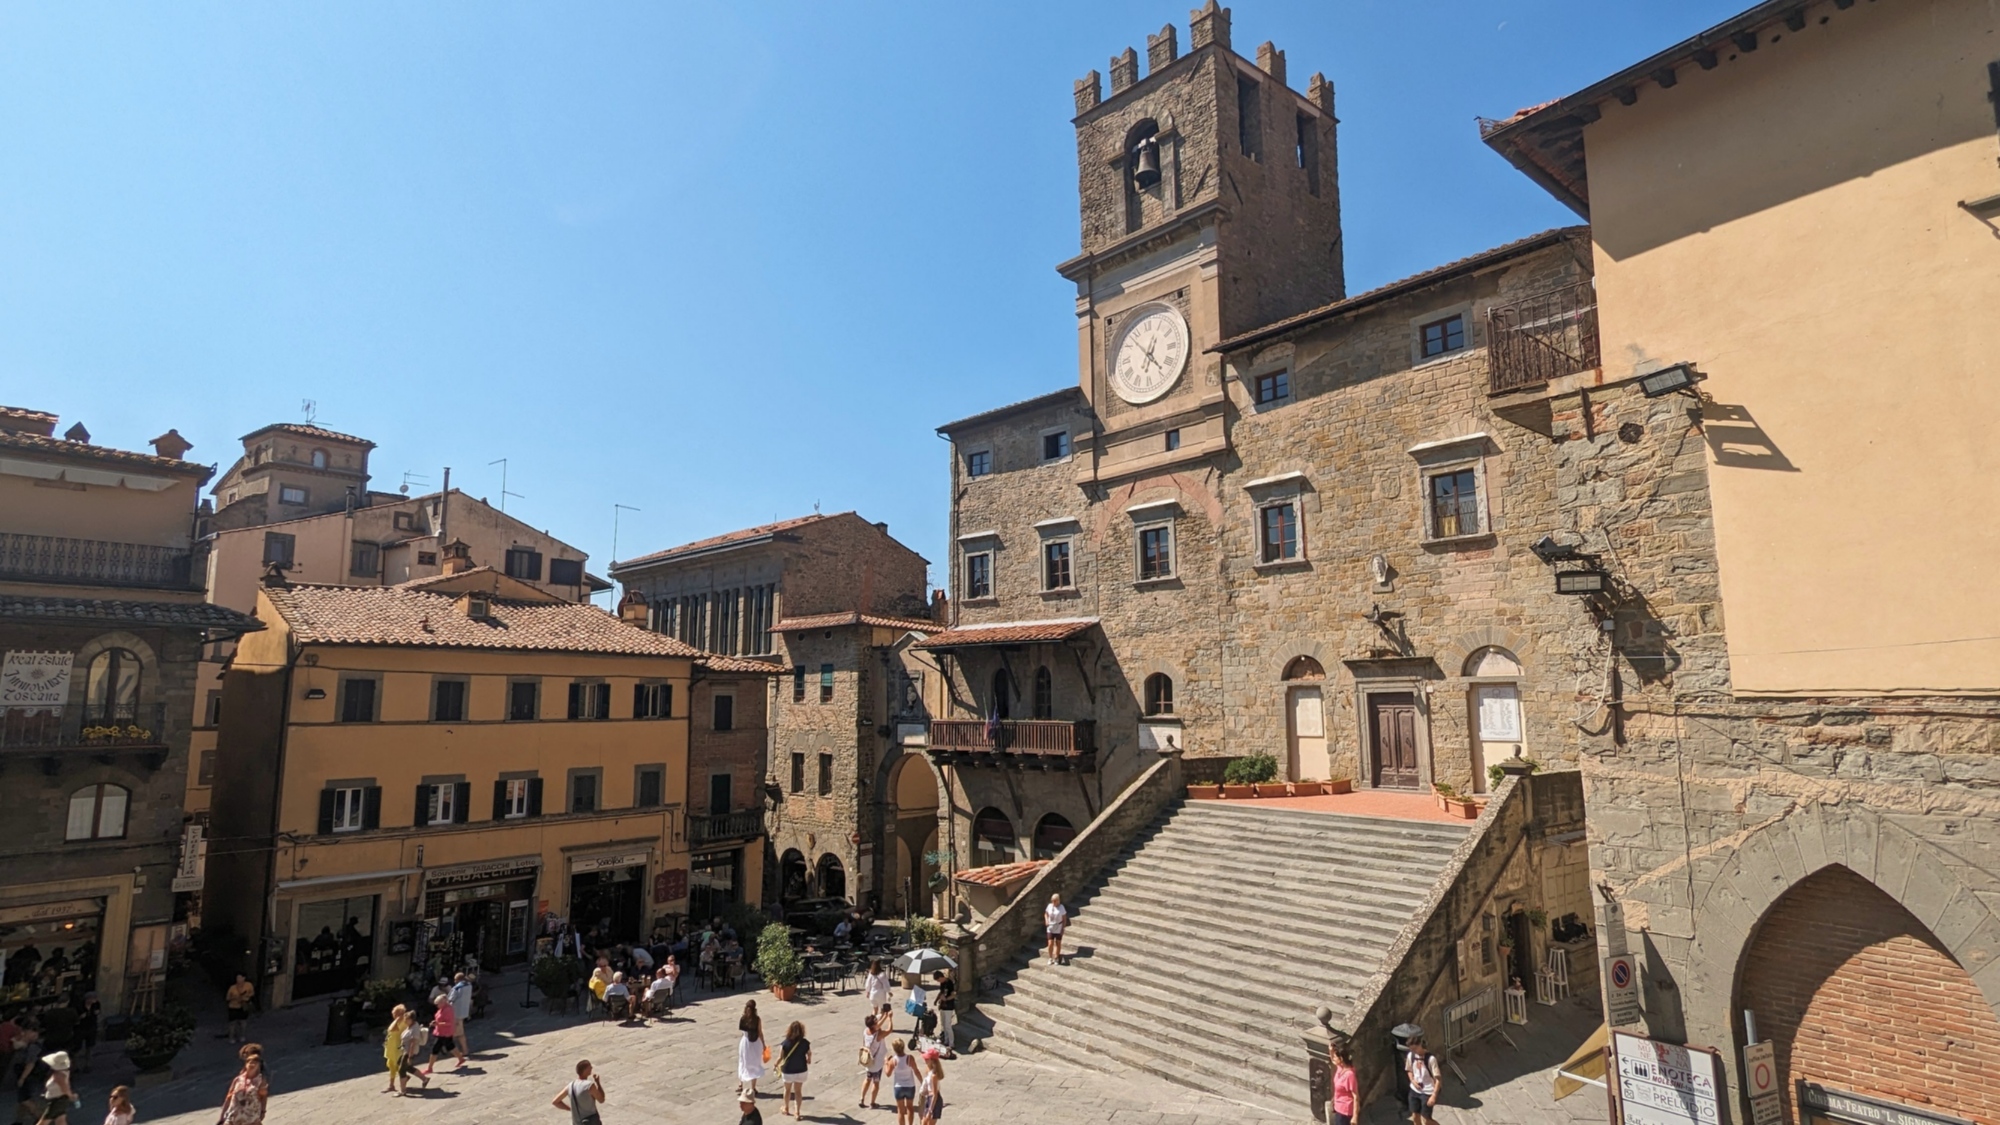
1585 1066
1009 633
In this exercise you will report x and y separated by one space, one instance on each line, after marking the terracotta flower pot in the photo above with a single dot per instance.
1342 785
1204 792
1307 788
785 992
1239 792
1459 807
1270 789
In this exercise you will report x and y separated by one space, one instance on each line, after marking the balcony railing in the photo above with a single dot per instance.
93 562
56 728
1542 338
1034 737
744 824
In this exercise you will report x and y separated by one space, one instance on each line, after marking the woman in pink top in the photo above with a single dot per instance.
1343 1084
444 1031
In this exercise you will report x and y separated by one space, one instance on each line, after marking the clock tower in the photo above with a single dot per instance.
1210 207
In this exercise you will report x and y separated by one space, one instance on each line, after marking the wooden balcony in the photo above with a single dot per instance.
1537 340
1020 743
95 562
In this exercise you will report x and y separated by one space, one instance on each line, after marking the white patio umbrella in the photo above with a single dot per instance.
923 961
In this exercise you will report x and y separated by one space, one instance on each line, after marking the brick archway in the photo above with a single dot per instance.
1779 856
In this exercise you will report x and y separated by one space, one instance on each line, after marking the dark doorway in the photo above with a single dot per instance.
607 903
718 794
1000 700
832 877
712 883
791 876
1392 723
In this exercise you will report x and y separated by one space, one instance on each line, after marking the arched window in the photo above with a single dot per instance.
832 877
999 706
1159 694
1492 662
97 812
112 686
319 459
1052 834
791 875
1304 668
992 838
1045 693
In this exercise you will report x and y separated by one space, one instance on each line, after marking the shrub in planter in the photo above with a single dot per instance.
555 977
777 962
156 1037
1250 770
378 997
926 932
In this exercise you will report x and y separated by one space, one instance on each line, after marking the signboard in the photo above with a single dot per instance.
1760 1082
1816 1098
607 862
482 872
1665 1083
194 860
51 911
1499 712
35 679
670 886
1621 990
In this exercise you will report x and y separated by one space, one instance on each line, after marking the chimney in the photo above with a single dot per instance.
940 607
633 608
882 527
1089 92
81 436
457 557
1208 24
1124 71
1320 93
1162 49
1271 61
171 445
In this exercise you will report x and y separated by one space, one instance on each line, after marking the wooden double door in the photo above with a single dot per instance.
1392 733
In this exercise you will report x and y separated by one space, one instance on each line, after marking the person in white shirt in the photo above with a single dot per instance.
461 1006
617 997
1055 918
1424 1073
878 990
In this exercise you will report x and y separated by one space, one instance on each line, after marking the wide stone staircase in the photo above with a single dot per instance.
1204 948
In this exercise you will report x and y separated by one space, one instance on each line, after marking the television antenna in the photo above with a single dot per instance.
409 476
309 408
615 510
504 494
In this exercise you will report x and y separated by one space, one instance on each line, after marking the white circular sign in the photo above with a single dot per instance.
1151 353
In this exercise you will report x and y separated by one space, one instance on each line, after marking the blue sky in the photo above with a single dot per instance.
719 262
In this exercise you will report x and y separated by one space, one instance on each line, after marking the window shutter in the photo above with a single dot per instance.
638 701
423 813
576 701
534 796
499 800
371 807
461 805
534 566
603 694
326 811
666 701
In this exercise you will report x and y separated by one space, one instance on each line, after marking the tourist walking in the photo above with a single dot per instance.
57 1094
903 1082
121 1110
399 1051
444 1036
1422 1068
877 988
794 1059
1344 1084
582 1097
1055 918
461 1010
930 1096
248 1093
748 1104
237 999
751 1053
947 1012
874 1045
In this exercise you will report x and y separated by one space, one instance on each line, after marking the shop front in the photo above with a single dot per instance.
607 894
49 953
715 881
333 946
482 910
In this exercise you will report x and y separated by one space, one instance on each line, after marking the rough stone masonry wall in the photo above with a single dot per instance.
813 824
845 563
738 752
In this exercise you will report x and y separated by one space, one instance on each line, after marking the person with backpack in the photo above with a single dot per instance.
794 1058
1424 1073
582 1097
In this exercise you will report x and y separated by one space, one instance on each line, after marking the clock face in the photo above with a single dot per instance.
1151 353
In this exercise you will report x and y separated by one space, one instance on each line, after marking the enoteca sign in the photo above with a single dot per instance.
35 679
1666 1083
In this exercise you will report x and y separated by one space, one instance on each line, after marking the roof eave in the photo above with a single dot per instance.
1039 402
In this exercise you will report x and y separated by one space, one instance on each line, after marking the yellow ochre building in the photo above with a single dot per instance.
408 776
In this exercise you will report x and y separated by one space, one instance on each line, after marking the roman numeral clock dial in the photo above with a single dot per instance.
1152 351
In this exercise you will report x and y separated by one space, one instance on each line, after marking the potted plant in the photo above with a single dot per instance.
377 998
555 977
1203 792
1307 787
1340 785
777 962
1242 776
156 1037
1449 801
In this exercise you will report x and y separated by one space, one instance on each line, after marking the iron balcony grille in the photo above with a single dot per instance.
93 562
1542 338
95 725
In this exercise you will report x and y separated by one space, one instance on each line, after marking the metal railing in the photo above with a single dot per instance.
1017 736
93 562
49 728
1542 338
744 824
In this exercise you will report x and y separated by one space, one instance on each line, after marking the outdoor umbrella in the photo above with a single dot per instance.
924 960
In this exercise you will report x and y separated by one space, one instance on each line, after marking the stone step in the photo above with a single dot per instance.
1198 986
1312 904
1183 942
1304 821
1256 983
1286 869
1369 853
1301 921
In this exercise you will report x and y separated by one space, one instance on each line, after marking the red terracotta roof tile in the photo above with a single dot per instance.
63 447
403 617
741 664
836 620
304 430
724 540
1009 633
1002 874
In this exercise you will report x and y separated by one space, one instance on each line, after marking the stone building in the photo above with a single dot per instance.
816 600
102 622
1271 518
1793 219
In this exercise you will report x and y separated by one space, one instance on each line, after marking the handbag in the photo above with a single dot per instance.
864 1056
767 1054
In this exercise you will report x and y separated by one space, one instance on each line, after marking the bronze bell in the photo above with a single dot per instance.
1146 169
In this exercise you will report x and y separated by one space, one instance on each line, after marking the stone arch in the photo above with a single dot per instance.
1456 651
906 838
149 663
1289 652
1304 669
1779 856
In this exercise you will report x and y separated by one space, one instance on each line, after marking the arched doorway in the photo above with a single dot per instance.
1052 834
1495 702
792 876
832 877
1839 971
993 840
913 818
1305 721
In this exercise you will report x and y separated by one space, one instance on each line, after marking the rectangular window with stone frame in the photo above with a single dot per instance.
1452 503
1278 532
978 575
1156 552
1056 569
